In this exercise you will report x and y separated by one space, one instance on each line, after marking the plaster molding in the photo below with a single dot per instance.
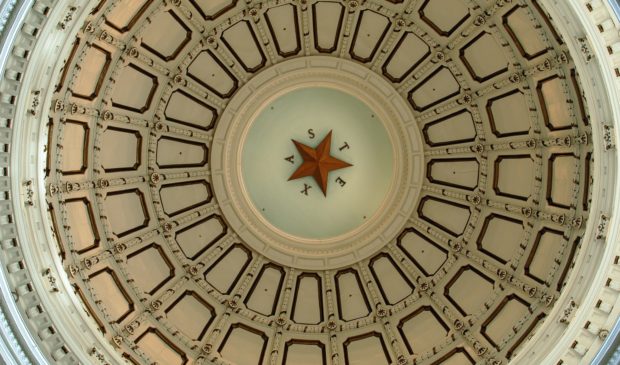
40 321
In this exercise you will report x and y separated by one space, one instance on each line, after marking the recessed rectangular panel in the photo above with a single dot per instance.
368 349
352 301
49 147
327 19
561 172
284 28
140 266
509 114
567 256
177 198
392 282
89 308
109 290
547 247
583 114
160 349
422 330
444 214
93 70
264 293
524 32
195 239
468 290
227 270
187 110
210 72
444 16
243 345
82 226
452 129
527 334
126 211
427 255
513 176
121 149
408 53
458 356
438 87
213 9
59 240
75 153
191 314
176 153
298 352
134 89
459 173
166 36
501 323
555 102
308 301
500 237
484 58
242 42
370 31
67 64
126 13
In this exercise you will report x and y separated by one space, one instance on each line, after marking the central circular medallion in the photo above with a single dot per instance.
317 163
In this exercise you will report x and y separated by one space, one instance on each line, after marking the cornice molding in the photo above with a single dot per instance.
6 9
594 45
17 345
33 330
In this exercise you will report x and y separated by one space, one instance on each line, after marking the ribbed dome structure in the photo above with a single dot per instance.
156 209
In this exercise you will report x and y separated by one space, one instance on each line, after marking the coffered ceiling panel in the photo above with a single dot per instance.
126 13
242 43
157 347
177 153
283 25
121 149
297 352
398 67
166 36
186 109
75 159
371 29
366 349
483 57
444 23
191 314
438 87
209 71
88 82
134 89
451 129
308 300
252 341
327 17
519 24
422 330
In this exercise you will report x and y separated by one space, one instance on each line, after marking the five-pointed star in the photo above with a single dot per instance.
318 162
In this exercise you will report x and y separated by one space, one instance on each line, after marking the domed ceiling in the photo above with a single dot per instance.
489 143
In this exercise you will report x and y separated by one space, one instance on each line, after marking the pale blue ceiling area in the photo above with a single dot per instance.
358 137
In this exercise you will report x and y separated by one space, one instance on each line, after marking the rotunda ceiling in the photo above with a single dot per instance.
169 159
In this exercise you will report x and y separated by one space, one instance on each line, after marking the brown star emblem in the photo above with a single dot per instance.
318 162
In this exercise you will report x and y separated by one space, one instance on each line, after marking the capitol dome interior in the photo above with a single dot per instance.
301 182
